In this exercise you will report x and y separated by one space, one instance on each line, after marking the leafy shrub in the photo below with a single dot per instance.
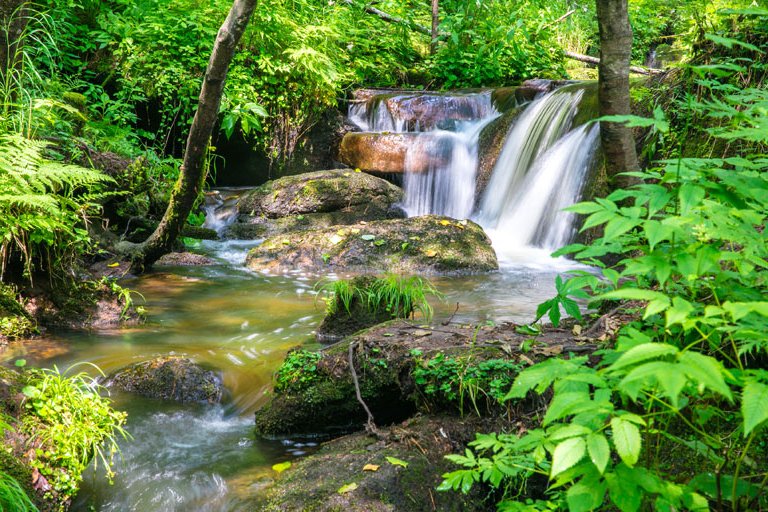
461 381
43 206
298 371
71 423
670 417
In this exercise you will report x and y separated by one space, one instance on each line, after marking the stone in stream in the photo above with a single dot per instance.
314 200
430 244
169 378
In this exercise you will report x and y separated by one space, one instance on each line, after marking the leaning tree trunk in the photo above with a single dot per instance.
192 177
613 89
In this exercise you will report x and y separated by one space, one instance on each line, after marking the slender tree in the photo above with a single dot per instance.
435 24
613 88
192 176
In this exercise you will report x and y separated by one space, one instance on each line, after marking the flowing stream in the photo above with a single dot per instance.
206 457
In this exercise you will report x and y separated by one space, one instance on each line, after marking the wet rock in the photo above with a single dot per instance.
184 259
313 483
169 378
312 201
321 192
378 152
418 245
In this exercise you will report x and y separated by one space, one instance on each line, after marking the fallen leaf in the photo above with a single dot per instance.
354 231
282 466
421 333
368 238
371 467
336 239
113 265
286 242
357 169
397 462
430 253
463 222
347 488
576 330
445 222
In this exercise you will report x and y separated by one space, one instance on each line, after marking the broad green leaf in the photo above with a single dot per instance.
397 462
584 208
626 439
729 42
754 405
585 496
623 491
599 451
567 454
617 226
706 371
641 353
679 312
633 294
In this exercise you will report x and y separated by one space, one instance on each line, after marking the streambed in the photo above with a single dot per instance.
206 457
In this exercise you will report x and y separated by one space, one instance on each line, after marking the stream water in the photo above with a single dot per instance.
206 458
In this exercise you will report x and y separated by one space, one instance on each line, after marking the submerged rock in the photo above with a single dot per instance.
169 378
418 245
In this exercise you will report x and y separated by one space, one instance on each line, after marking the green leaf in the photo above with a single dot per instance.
644 352
20 363
567 454
617 226
754 405
729 42
599 451
282 466
626 439
397 462
707 371
344 489
679 312
690 196
633 294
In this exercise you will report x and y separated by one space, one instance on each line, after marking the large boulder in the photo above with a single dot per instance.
169 378
418 245
314 200
321 192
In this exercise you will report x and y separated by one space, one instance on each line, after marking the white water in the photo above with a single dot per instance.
541 169
448 186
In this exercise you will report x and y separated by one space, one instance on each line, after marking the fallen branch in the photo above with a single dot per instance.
558 20
370 426
594 61
392 19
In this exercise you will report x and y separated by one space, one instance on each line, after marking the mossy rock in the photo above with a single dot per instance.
322 192
169 378
333 479
318 398
418 245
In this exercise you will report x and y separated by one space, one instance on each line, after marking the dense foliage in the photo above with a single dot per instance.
673 416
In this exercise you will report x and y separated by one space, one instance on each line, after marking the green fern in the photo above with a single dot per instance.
44 206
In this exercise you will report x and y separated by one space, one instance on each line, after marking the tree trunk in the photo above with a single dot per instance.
192 176
613 89
435 24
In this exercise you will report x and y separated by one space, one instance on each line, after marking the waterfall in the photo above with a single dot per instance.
448 185
542 167
220 208
541 170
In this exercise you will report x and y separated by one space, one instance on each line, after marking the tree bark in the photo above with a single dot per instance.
192 176
435 24
613 89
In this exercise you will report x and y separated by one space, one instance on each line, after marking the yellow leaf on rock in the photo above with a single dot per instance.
371 467
431 253
445 222
336 239
281 466
113 265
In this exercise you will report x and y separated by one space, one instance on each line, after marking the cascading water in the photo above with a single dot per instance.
541 169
